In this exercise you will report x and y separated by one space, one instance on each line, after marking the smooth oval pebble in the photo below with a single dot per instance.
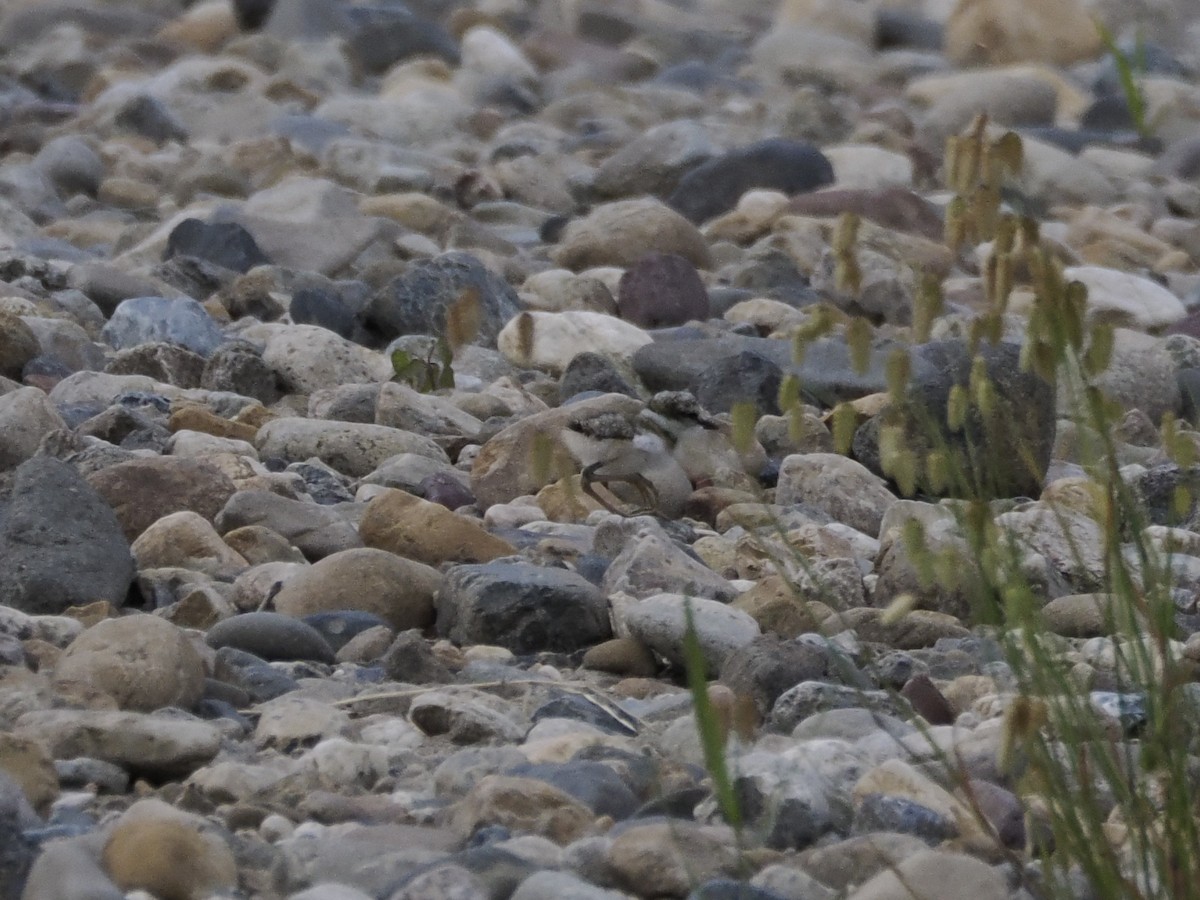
271 636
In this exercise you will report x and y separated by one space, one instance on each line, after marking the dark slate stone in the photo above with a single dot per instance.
1002 809
579 707
772 273
677 804
61 544
270 636
238 366
892 207
927 700
551 229
746 377
173 320
12 651
445 489
728 889
312 306
42 366
198 278
1181 158
591 783
252 14
500 871
78 773
1189 390
168 363
17 851
883 812
769 665
339 627
810 697
701 76
227 244
900 28
661 290
309 132
790 822
252 674
521 607
1147 57
322 483
150 118
1189 324
411 660
1109 112
211 708
1001 454
777 164
592 567
121 426
826 372
1076 140
416 302
590 371
385 37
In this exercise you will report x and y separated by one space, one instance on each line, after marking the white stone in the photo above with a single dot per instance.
198 443
870 167
1139 301
309 358
558 337
660 622
26 416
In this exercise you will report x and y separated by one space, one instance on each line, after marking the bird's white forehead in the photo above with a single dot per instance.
648 442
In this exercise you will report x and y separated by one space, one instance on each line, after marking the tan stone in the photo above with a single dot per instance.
128 193
621 233
565 501
205 26
143 662
416 529
18 345
622 656
420 212
156 848
28 762
777 608
186 540
398 590
259 544
993 32
852 20
142 491
935 875
668 859
897 778
197 418
522 804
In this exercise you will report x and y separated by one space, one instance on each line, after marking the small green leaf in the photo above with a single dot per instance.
402 362
899 368
789 393
541 456
711 737
845 422
745 416
858 339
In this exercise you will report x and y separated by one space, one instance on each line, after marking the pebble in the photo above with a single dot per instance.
264 601
142 662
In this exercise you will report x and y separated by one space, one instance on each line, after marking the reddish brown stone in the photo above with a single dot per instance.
891 207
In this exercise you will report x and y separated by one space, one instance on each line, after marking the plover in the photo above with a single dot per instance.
658 453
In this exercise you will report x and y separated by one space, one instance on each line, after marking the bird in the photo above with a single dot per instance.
659 452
